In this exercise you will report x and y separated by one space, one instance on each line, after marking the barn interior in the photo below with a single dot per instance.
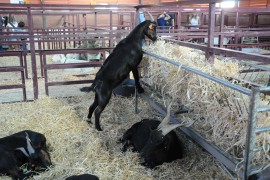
212 61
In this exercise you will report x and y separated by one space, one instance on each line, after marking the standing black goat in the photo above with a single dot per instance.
21 148
124 59
154 140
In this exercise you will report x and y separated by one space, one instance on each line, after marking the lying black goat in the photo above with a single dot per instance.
25 147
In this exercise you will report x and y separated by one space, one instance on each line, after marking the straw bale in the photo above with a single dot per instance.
76 148
220 113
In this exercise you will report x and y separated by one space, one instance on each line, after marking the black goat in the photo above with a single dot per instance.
83 177
154 140
9 164
124 59
263 175
21 148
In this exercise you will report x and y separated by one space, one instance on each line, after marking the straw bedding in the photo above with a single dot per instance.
76 148
220 113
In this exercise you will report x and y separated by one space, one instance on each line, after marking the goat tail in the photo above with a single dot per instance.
96 85
88 89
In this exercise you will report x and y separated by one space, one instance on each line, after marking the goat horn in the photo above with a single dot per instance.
166 120
30 148
169 127
150 15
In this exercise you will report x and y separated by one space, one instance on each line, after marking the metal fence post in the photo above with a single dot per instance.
250 136
32 51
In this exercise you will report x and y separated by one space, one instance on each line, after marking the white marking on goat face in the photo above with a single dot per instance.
30 148
23 151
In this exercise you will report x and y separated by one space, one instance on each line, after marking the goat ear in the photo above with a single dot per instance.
150 129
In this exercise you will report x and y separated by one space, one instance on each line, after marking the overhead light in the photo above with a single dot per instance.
226 4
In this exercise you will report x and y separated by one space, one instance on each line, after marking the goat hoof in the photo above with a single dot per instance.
89 121
98 128
89 116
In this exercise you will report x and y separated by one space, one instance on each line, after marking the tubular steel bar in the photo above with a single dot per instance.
69 83
239 54
263 129
220 81
250 135
23 76
211 28
265 89
221 37
12 86
33 54
189 44
263 109
223 157
72 65
178 3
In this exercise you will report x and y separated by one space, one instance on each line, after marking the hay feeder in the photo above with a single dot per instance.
239 134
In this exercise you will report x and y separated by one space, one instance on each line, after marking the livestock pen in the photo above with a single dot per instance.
77 148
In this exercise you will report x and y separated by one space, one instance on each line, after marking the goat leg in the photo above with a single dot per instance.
92 109
135 73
